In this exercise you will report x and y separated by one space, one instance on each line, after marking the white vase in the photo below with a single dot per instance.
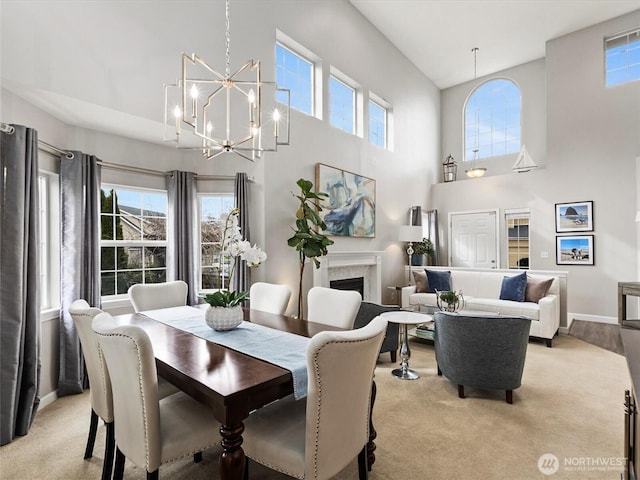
224 318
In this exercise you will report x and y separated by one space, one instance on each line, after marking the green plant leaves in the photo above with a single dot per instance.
225 298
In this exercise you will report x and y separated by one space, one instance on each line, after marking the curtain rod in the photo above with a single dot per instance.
42 145
6 128
118 166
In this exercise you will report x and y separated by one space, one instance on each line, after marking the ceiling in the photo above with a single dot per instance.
437 35
94 64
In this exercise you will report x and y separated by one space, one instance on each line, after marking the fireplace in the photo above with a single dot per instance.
356 283
348 265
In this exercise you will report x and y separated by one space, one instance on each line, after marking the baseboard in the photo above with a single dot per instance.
589 318
48 399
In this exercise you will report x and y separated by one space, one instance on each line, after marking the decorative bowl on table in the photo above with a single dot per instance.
224 318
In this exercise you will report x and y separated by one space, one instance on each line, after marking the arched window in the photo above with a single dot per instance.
492 120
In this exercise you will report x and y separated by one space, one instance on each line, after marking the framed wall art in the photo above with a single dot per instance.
575 250
574 217
350 208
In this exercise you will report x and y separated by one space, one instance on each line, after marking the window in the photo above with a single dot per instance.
518 239
43 184
295 73
49 212
622 58
134 238
377 124
211 209
342 105
492 120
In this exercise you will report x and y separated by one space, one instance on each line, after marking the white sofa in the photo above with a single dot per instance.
481 291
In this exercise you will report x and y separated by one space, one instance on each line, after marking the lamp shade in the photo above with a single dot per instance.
410 233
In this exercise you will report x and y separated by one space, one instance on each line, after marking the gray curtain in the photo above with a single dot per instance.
429 222
19 283
242 275
79 259
182 232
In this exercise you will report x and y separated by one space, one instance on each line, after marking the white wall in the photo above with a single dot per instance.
340 36
592 140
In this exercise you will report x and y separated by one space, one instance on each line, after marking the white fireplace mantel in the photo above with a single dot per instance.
340 265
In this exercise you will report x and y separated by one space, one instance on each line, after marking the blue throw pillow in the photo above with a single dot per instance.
513 288
438 280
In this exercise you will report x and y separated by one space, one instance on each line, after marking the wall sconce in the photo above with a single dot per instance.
449 169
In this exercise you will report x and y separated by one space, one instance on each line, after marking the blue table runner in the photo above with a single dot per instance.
283 349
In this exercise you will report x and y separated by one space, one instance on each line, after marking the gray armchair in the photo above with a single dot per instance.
481 351
367 312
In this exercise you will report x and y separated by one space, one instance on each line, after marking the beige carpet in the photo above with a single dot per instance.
570 405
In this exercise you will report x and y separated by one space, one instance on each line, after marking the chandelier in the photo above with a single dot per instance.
231 112
475 171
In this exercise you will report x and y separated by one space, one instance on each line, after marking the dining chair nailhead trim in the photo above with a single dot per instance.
317 432
144 410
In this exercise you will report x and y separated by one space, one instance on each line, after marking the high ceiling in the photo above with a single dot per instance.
96 64
437 35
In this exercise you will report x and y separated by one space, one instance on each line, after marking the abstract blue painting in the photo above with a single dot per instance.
350 209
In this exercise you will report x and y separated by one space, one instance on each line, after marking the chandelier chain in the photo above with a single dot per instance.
228 38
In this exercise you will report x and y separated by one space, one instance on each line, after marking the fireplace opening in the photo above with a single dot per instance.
356 284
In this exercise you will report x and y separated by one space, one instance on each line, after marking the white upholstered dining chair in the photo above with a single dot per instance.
100 383
333 307
269 297
150 431
100 391
153 296
317 438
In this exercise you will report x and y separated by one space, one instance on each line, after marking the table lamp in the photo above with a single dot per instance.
410 234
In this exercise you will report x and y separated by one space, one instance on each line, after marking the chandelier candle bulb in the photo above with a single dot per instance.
177 113
194 98
276 120
252 99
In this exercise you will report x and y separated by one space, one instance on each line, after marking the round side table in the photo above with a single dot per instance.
406 318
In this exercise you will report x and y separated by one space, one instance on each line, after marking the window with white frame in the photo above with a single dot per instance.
45 250
295 73
492 120
133 244
622 54
342 105
377 124
517 222
212 207
49 213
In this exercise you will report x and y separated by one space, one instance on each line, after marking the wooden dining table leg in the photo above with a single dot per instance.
371 446
232 459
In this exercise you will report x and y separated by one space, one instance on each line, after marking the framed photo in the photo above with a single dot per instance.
350 208
574 217
575 250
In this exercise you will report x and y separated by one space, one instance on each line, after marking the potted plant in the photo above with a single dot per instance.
450 300
425 247
307 239
225 311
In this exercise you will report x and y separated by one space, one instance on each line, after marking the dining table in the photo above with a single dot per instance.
231 383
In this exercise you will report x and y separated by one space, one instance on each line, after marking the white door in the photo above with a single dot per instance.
473 240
